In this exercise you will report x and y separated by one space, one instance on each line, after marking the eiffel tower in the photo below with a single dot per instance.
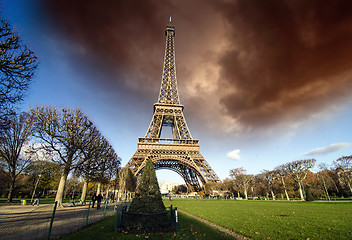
181 153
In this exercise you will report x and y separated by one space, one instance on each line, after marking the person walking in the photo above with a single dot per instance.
99 198
36 201
73 198
94 198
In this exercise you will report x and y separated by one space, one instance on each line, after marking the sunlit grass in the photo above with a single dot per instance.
275 219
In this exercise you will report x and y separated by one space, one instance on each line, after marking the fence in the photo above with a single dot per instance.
47 221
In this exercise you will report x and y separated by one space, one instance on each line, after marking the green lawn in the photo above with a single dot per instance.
275 219
189 228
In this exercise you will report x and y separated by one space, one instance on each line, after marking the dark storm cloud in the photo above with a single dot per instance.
289 58
283 59
116 39
120 44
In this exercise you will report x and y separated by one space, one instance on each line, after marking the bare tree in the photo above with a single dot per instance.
12 141
113 172
331 175
231 186
260 185
324 176
90 152
282 174
298 171
106 163
103 158
111 162
214 189
344 170
269 177
242 179
61 132
17 67
128 182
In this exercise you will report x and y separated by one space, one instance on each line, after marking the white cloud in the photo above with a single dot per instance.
234 154
327 149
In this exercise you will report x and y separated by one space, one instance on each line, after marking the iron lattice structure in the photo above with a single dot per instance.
181 152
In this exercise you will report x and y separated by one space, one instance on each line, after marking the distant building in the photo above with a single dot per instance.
167 187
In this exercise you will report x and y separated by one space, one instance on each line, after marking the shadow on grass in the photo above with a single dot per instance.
189 228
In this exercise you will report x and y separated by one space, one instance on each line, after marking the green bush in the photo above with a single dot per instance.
309 196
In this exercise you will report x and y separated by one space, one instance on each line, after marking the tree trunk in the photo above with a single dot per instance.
98 188
116 197
326 190
336 188
288 198
61 188
84 191
107 191
283 183
301 191
245 194
119 195
272 194
12 187
349 183
35 188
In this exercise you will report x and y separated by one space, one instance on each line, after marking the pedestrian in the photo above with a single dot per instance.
36 201
170 197
94 198
99 198
73 198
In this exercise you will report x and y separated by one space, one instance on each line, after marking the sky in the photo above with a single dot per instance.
262 82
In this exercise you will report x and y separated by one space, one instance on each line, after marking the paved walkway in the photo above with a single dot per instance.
32 222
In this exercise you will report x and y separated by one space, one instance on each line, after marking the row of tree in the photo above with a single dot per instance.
291 180
66 137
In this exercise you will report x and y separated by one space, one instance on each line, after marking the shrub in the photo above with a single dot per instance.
147 212
309 196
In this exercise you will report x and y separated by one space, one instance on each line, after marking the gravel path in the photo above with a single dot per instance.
32 222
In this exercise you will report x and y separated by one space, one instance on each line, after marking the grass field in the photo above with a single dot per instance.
275 219
188 229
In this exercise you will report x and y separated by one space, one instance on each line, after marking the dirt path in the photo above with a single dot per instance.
32 222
